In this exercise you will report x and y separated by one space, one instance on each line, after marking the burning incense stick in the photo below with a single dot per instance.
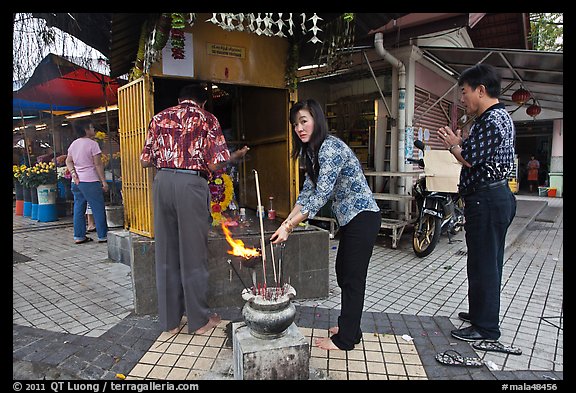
263 245
273 263
282 245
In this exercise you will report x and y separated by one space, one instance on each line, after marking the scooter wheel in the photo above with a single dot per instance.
425 239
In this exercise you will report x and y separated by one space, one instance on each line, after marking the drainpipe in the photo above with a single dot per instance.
401 69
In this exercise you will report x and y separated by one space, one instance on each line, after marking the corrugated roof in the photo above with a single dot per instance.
541 73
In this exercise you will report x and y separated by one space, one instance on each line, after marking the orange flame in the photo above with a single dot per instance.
238 248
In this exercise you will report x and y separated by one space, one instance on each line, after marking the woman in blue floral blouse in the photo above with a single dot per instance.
333 172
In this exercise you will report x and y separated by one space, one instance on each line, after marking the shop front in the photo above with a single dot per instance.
245 74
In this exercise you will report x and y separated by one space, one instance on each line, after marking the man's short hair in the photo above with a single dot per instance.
482 74
194 91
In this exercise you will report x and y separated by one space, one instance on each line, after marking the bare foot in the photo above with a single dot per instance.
212 323
183 322
334 330
325 343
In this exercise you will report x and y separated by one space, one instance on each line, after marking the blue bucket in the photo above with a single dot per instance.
47 209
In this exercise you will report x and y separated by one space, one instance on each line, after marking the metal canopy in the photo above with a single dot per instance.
541 73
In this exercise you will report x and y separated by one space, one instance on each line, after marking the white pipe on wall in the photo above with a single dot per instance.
401 118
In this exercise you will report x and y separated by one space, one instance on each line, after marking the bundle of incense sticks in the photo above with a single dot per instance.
268 293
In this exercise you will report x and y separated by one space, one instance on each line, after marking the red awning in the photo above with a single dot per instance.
58 81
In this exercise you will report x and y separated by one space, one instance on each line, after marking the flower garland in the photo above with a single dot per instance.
177 35
221 194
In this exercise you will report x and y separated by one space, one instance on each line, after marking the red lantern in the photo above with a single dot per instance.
533 110
520 96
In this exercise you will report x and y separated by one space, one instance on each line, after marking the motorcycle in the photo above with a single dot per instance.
438 213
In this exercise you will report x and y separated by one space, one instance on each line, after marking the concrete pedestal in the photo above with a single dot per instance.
115 216
287 357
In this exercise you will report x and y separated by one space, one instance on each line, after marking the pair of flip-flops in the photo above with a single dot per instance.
496 346
451 357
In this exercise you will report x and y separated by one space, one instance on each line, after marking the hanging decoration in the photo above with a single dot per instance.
161 32
221 194
155 36
314 29
520 96
336 50
268 24
292 67
533 110
177 35
335 47
150 49
137 70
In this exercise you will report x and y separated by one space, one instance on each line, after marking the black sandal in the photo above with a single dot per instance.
496 346
86 240
452 358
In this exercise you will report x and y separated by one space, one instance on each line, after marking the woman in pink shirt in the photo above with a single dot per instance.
84 162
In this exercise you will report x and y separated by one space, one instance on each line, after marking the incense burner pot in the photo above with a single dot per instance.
268 315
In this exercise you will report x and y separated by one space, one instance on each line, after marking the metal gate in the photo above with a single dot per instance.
431 114
135 109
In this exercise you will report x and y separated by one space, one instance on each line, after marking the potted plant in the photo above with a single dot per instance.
43 173
43 177
19 188
31 180
24 174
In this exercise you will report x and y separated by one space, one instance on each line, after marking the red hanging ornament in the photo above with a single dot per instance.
533 110
520 96
177 53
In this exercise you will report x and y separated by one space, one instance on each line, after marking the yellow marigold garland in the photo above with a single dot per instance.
224 186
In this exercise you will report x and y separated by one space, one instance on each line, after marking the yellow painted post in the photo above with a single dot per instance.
135 109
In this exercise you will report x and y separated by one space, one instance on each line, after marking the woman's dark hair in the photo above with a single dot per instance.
80 126
482 74
309 150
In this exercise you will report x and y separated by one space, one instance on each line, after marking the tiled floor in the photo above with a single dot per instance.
184 356
73 311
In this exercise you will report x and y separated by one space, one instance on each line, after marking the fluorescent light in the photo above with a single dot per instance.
92 112
25 117
309 67
79 114
103 109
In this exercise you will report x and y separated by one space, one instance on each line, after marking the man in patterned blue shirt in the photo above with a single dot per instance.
334 173
487 157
